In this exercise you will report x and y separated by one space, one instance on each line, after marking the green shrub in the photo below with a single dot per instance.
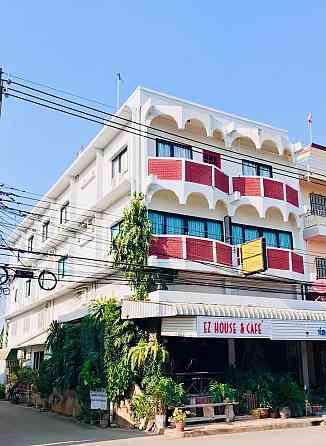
2 391
220 392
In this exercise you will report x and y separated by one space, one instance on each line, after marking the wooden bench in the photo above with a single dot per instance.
210 407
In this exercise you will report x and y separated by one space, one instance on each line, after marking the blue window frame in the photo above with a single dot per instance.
115 230
167 223
273 237
173 150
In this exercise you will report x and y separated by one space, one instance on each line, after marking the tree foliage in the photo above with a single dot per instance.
131 247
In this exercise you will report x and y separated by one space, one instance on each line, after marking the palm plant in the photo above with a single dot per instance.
149 353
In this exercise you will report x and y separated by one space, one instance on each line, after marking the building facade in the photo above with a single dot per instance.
212 181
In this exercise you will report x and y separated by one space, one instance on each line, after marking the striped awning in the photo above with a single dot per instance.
137 310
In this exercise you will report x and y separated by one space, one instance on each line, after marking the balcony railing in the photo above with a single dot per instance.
178 169
183 247
318 205
320 263
265 187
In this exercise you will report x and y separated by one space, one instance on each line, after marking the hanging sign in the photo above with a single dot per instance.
47 280
253 255
99 399
4 275
224 327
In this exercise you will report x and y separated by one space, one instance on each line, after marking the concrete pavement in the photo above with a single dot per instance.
22 426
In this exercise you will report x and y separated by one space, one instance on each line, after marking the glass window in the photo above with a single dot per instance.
237 234
182 152
64 214
62 266
120 163
265 171
169 149
28 284
214 230
163 149
249 168
270 238
174 224
157 222
285 240
250 234
196 228
30 243
115 230
45 231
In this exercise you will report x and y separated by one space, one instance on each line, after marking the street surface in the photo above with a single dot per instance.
22 426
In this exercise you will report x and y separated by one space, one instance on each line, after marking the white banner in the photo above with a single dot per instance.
99 399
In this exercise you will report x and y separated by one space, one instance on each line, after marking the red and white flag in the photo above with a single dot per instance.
309 118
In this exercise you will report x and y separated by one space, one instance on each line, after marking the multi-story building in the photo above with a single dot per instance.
211 181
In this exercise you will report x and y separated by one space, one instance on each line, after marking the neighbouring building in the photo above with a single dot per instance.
212 181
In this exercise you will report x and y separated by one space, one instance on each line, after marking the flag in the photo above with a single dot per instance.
309 118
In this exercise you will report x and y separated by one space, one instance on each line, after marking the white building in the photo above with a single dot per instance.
212 181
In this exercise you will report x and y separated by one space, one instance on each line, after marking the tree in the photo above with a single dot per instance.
131 247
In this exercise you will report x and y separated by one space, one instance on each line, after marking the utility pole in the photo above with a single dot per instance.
119 80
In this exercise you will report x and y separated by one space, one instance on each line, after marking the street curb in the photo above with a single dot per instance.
250 426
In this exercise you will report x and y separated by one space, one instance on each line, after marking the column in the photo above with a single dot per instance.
304 364
231 353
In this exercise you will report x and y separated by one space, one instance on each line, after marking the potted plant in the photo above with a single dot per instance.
179 416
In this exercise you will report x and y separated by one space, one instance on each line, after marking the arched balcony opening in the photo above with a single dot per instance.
164 199
196 127
269 147
218 138
164 122
287 154
244 142
197 202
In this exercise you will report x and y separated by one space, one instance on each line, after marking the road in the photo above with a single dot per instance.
22 426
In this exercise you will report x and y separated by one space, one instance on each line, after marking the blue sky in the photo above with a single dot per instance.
262 60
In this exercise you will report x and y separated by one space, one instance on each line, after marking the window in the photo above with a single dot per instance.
165 223
250 168
115 230
64 213
320 267
172 150
318 205
120 163
62 266
28 285
273 237
37 360
30 243
45 231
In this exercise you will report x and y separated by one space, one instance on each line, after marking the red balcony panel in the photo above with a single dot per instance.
165 169
198 173
164 247
273 189
278 259
297 263
292 196
199 249
247 186
210 157
221 181
224 254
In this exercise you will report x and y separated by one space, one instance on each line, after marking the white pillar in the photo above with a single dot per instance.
231 353
304 364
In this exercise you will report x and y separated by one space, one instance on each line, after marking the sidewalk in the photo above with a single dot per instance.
249 425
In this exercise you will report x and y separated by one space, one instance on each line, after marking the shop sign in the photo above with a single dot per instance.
253 255
99 399
224 327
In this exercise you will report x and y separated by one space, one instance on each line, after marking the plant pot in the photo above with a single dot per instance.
275 414
255 413
264 412
285 412
180 426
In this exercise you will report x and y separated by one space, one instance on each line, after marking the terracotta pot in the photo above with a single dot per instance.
180 427
264 413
